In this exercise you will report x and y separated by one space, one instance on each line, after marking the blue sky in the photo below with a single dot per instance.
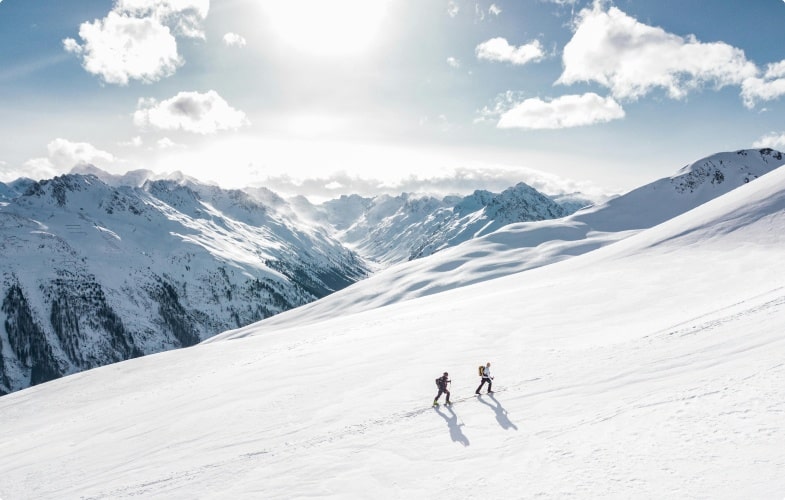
328 97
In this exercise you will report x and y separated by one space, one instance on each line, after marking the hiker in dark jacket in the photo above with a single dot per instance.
441 383
486 377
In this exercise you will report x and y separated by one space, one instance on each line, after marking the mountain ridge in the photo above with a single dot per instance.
646 367
198 260
523 246
93 274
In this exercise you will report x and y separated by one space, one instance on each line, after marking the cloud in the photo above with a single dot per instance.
494 9
633 59
36 169
453 62
461 180
563 112
498 49
167 143
234 40
452 8
63 155
121 48
135 142
769 87
774 140
185 17
137 39
193 112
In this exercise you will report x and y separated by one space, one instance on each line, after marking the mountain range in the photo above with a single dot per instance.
97 268
643 362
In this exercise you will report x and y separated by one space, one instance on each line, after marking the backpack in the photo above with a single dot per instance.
481 370
437 383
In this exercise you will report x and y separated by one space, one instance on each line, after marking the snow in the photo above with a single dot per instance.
651 367
519 247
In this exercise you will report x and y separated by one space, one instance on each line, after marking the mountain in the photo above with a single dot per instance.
648 368
14 189
391 229
98 268
94 273
521 246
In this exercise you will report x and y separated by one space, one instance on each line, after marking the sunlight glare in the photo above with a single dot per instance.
327 28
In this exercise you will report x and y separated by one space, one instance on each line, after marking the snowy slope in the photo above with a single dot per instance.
517 247
649 368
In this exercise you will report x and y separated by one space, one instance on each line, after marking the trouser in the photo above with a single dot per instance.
442 391
484 379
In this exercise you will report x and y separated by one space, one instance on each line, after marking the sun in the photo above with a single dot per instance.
326 28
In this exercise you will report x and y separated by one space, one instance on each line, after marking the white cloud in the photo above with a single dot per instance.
136 40
776 70
770 87
63 155
452 8
167 143
135 142
773 140
36 169
453 62
193 112
632 59
498 49
120 48
184 16
494 9
234 40
563 112
479 13
759 89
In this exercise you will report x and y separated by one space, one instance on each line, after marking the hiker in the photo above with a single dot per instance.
441 383
485 373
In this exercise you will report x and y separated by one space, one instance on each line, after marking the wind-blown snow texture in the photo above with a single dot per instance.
648 368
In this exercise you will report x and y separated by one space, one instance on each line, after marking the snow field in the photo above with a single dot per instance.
650 368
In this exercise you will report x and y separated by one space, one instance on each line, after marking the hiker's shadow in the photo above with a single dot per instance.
501 413
456 434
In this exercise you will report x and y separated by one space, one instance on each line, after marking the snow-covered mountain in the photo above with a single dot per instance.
518 247
648 368
12 190
391 229
98 267
92 273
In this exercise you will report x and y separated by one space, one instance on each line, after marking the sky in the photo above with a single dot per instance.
324 98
